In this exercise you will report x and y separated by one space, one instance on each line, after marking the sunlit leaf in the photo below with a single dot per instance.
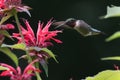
45 66
111 58
5 33
89 78
106 75
50 53
113 36
3 68
10 54
113 11
15 46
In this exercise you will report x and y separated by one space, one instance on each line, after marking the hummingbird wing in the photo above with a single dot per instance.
60 24
68 23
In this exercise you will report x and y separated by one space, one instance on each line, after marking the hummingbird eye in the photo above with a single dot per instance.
70 20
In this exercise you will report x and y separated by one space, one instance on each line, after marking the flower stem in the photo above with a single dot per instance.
18 25
37 74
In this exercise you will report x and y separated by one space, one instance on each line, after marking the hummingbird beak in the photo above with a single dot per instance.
63 23
59 24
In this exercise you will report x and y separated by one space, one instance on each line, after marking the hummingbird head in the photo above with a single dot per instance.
71 22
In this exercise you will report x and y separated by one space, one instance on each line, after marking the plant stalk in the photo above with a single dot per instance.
37 74
20 32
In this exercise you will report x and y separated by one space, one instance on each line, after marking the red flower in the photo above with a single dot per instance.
6 27
1 3
8 5
16 74
42 38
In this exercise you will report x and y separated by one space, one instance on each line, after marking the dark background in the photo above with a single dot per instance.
78 56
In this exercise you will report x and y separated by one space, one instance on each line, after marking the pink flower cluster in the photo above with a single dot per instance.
43 36
41 39
7 5
16 74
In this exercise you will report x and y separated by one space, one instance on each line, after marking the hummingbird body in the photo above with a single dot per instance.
79 25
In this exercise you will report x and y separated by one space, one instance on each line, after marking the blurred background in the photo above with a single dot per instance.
78 56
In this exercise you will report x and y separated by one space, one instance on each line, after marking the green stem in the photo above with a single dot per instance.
37 74
18 25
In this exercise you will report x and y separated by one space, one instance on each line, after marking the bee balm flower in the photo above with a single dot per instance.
8 5
16 74
43 36
41 40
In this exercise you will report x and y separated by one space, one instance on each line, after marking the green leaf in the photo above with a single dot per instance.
5 33
89 78
106 75
45 66
113 36
50 53
15 46
5 18
3 68
111 58
113 11
10 54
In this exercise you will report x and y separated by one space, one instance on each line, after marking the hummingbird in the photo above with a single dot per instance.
79 25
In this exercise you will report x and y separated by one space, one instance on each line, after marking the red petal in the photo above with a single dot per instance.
6 73
57 40
39 31
10 26
9 67
29 28
2 3
46 28
18 70
30 67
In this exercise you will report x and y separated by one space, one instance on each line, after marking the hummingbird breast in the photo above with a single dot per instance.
85 29
82 28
